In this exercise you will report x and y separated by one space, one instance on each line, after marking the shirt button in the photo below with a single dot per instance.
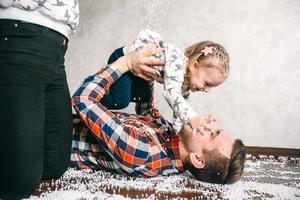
134 98
168 140
16 25
115 104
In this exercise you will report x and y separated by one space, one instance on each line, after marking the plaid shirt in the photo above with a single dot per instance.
138 145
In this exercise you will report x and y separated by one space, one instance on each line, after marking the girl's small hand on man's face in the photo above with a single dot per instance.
200 124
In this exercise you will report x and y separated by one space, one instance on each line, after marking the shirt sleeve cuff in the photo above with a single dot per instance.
111 73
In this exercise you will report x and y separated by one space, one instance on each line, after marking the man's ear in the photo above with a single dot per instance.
197 160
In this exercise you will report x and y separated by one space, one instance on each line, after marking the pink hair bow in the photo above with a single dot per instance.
207 50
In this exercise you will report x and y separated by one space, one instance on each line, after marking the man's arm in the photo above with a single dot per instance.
111 133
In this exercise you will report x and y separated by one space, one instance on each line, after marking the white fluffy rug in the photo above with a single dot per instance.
266 178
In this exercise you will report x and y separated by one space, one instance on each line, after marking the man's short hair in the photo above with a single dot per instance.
218 168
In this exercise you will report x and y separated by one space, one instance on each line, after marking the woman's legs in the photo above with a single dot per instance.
21 141
32 87
58 127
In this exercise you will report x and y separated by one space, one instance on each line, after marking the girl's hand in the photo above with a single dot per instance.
200 123
197 123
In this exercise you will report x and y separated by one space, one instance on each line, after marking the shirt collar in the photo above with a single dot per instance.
172 145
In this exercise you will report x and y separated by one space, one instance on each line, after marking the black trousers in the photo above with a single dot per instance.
35 110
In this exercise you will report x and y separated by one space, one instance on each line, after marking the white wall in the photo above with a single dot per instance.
259 102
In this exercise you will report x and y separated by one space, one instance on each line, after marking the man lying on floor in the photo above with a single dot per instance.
146 145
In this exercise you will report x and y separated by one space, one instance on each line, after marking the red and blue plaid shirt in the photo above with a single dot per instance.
138 145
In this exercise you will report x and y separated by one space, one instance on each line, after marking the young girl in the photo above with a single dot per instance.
203 65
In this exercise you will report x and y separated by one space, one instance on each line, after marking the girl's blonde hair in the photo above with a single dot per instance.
195 52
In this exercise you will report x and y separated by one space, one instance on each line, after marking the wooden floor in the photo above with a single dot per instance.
270 173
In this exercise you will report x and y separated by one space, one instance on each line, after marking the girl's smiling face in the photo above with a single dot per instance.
205 74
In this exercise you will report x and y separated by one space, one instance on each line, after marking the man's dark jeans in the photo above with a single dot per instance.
35 110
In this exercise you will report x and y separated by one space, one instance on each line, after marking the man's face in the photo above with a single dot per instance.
206 140
221 141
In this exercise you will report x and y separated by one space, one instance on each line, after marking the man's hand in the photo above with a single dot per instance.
139 62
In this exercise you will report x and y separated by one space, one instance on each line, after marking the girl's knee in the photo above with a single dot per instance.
122 103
